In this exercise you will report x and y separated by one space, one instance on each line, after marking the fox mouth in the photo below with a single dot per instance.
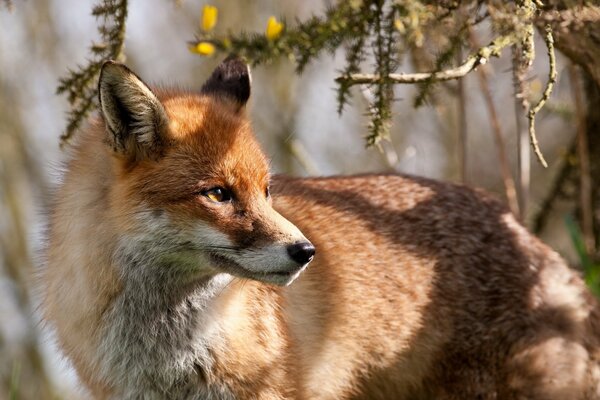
282 278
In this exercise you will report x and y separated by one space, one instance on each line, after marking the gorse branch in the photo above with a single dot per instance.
375 31
80 85
379 30
383 93
303 43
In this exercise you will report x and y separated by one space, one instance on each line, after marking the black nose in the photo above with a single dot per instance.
301 252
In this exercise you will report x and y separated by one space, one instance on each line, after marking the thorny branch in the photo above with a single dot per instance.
80 85
343 23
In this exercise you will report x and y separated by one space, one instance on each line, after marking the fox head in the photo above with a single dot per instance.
191 184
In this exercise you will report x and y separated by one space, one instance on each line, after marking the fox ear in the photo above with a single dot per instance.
135 119
231 79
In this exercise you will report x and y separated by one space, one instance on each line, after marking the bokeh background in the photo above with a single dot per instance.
294 118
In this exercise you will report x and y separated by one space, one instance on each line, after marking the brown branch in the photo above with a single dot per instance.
576 28
507 179
549 39
299 152
585 181
473 61
523 150
462 124
557 190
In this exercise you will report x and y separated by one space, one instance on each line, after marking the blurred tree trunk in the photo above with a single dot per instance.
592 91
23 372
22 369
576 27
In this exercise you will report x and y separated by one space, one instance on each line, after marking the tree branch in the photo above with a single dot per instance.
481 57
585 181
507 179
80 85
549 39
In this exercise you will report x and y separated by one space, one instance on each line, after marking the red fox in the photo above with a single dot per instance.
178 268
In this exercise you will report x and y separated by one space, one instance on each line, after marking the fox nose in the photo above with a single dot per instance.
301 252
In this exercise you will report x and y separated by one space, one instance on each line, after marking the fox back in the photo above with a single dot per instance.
178 268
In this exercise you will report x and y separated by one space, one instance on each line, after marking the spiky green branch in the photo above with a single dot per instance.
388 25
80 85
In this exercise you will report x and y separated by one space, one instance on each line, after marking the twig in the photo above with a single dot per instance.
563 177
523 149
585 181
297 149
549 40
389 154
481 57
462 124
507 179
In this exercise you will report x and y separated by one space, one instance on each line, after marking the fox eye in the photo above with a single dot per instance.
267 192
218 194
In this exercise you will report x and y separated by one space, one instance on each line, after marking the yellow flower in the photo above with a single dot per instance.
203 48
274 28
400 26
209 17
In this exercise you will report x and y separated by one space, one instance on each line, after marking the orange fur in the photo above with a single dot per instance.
419 289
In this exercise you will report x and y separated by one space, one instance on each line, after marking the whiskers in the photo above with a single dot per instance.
218 250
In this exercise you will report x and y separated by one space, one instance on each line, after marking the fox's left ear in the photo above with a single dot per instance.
230 80
135 119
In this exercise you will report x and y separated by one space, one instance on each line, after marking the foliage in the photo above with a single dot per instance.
382 32
591 270
379 32
80 84
14 382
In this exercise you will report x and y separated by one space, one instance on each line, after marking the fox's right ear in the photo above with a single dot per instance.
135 119
230 80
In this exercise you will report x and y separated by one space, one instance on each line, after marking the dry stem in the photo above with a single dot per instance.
509 184
549 39
585 180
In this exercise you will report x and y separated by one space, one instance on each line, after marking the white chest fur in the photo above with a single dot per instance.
160 332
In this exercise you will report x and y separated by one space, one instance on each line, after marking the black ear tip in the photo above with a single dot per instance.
234 66
233 70
231 78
